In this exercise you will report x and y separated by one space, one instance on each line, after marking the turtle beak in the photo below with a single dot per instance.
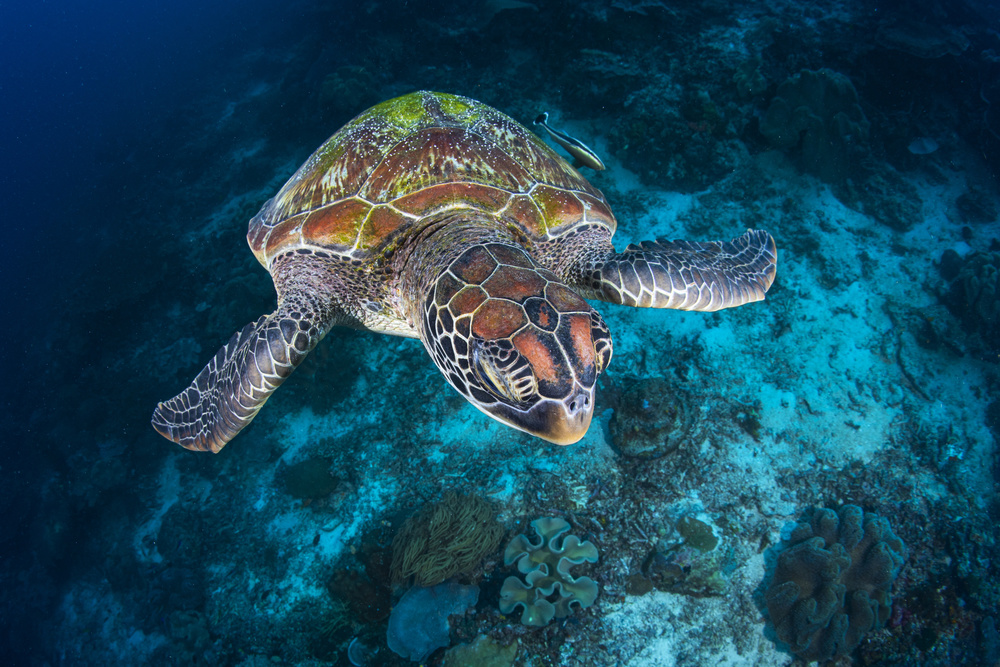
567 421
561 422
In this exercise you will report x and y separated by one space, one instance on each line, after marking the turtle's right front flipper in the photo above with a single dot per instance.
233 387
687 275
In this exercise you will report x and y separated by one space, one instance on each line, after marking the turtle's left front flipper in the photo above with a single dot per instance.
687 275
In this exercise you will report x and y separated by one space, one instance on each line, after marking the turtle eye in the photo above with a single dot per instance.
602 341
502 371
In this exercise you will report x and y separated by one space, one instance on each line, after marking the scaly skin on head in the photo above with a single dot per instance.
506 333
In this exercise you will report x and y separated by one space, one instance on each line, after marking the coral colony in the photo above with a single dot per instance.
527 470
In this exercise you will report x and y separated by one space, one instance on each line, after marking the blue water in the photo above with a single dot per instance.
138 139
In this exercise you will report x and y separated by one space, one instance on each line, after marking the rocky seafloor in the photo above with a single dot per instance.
865 141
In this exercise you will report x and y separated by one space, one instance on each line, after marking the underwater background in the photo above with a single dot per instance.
813 477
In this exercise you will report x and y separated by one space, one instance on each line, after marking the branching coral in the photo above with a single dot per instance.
444 539
832 582
550 590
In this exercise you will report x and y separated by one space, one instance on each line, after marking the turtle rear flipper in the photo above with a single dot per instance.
234 385
686 275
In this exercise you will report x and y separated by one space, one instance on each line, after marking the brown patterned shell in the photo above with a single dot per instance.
417 156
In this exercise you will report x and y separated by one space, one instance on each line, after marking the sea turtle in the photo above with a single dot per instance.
437 217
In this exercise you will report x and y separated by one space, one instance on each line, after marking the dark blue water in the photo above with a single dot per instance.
85 93
138 139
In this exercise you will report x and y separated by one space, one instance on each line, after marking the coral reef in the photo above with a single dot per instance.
848 384
481 652
690 561
444 539
419 622
608 76
926 40
192 641
678 140
884 195
653 418
176 588
976 206
347 90
974 298
832 582
750 83
818 112
359 653
363 600
547 566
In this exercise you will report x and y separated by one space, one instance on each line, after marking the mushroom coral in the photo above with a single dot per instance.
551 590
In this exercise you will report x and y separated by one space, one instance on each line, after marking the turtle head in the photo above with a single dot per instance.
517 343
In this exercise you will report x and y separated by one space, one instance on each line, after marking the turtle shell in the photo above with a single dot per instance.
419 156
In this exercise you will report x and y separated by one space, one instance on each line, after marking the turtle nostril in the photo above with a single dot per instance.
579 403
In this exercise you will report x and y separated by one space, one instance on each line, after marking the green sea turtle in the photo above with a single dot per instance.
437 217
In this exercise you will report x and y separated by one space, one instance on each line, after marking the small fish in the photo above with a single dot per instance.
582 155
